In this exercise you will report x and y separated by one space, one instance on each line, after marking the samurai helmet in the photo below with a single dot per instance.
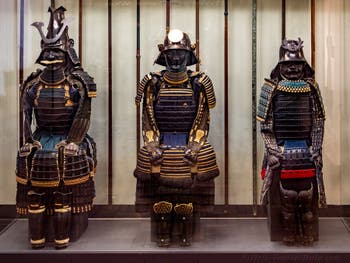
176 39
57 34
292 51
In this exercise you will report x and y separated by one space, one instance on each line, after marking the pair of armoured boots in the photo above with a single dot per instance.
38 218
168 217
297 218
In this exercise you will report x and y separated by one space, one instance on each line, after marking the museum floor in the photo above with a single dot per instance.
223 239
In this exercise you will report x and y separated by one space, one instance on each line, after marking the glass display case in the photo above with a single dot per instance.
237 43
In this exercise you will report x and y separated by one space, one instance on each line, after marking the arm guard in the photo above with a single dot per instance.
265 100
28 111
27 104
150 130
268 136
87 89
207 100
141 88
317 139
200 128
264 115
318 119
205 81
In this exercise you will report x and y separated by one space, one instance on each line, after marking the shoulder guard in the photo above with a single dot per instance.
141 87
194 73
147 79
265 99
208 87
87 81
157 73
31 79
314 86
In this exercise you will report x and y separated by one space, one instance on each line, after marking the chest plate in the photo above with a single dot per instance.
292 114
55 107
175 108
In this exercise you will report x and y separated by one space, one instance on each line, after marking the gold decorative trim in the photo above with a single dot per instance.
69 102
180 78
155 169
92 94
194 169
184 209
36 211
149 134
199 135
81 209
63 210
176 176
163 94
259 119
38 94
207 169
22 211
45 184
176 90
21 180
37 242
291 89
62 241
79 180
162 207
51 85
50 62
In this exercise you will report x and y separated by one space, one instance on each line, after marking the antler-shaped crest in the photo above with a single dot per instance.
56 27
292 45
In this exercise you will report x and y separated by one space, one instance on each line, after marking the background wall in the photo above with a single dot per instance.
332 56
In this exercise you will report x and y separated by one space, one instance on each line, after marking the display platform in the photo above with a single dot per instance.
221 240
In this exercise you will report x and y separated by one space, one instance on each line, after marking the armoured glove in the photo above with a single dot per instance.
156 155
190 157
27 148
316 157
70 149
273 160
191 153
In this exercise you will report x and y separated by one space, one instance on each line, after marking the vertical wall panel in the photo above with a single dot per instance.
212 63
8 100
269 27
183 17
240 102
298 23
330 76
345 111
95 62
124 117
152 33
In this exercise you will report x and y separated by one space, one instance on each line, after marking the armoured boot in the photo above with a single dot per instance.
288 215
184 215
307 218
62 219
162 211
36 217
